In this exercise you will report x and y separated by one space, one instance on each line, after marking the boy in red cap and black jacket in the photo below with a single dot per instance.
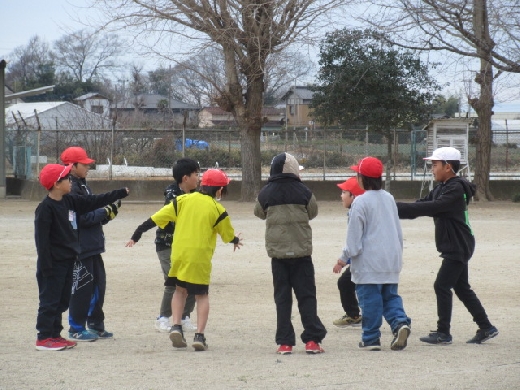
57 246
89 277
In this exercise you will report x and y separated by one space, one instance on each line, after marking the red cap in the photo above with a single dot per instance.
369 167
352 185
51 173
214 178
75 154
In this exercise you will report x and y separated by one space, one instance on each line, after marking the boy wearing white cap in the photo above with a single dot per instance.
448 203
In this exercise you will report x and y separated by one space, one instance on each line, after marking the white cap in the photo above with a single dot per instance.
444 154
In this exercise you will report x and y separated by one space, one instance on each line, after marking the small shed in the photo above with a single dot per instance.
444 132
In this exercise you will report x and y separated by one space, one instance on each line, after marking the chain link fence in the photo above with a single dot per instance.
325 154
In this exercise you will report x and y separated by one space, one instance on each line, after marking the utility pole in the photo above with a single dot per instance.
3 191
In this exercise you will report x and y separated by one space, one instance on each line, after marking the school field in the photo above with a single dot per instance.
241 325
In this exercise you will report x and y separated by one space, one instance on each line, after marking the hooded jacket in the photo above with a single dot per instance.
287 205
447 203
91 236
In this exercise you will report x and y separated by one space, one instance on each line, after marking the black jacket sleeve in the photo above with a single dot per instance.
144 227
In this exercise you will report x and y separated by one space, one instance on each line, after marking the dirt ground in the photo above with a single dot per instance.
241 325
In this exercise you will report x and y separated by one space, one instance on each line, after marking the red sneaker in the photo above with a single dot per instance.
70 344
284 350
50 345
313 347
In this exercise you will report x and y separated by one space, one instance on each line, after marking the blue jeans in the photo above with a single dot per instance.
378 301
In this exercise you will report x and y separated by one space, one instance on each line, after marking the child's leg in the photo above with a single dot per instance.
371 304
54 294
202 311
447 277
178 301
347 294
304 285
283 299
470 300
166 303
81 295
393 310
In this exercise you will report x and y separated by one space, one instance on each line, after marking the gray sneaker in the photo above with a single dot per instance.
483 335
177 337
101 334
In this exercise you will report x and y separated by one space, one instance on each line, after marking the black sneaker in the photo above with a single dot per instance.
370 346
177 337
483 335
199 342
400 338
437 338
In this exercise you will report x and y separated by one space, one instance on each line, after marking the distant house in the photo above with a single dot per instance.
155 108
273 118
297 101
53 115
215 116
94 102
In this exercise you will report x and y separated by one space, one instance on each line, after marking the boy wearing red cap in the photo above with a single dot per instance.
57 247
89 276
350 189
375 246
195 215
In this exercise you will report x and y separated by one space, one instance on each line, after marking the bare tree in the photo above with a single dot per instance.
85 55
248 32
488 32
31 66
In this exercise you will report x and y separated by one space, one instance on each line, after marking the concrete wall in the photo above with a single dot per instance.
152 190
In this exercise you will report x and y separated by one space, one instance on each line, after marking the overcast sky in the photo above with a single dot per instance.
50 19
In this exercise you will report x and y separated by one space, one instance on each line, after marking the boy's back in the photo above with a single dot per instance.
375 239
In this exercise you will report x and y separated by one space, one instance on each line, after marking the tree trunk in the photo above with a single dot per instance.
250 141
484 104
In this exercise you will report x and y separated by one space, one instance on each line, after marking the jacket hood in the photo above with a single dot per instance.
470 189
285 163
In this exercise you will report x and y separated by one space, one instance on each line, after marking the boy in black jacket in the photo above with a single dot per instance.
448 203
57 246
89 276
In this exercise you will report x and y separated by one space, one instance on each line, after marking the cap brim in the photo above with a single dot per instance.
87 161
355 168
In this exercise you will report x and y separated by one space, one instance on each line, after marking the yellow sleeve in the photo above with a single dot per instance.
165 215
224 227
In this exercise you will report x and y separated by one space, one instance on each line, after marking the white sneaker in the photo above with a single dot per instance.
162 324
187 324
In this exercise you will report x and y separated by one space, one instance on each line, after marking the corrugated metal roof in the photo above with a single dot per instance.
27 109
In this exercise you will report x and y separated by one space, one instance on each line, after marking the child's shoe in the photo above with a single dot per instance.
483 335
68 343
437 338
284 350
102 334
50 345
177 337
162 324
346 321
84 335
187 325
199 342
400 338
313 347
370 345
